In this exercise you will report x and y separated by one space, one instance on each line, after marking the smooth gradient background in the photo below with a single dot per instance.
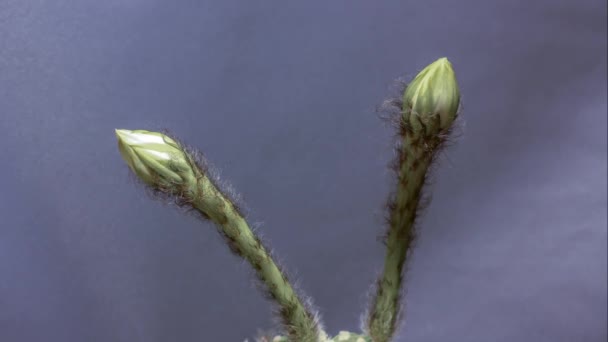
281 97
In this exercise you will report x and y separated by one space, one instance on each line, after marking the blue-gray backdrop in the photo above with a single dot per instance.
281 97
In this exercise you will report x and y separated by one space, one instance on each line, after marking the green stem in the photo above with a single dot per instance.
300 324
414 160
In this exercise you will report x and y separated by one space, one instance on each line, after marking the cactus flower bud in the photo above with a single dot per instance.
154 157
433 92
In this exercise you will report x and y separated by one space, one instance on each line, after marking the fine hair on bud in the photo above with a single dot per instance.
197 160
391 112
181 201
169 196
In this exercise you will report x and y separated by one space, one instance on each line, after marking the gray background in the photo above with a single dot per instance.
281 97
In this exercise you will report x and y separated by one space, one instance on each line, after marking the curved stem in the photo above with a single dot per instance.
206 198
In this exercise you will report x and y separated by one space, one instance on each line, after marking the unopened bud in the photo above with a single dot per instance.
154 157
431 100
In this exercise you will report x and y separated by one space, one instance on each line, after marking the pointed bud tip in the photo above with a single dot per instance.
433 93
441 64
443 60
122 133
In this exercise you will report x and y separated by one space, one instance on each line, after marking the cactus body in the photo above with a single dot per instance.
428 107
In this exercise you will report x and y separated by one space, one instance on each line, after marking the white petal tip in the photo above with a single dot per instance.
122 133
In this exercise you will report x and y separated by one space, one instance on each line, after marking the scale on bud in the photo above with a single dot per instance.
433 93
155 158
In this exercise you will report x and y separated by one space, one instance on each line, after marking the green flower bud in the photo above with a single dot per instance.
433 92
154 157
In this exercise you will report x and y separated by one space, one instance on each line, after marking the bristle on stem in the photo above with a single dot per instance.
172 170
424 120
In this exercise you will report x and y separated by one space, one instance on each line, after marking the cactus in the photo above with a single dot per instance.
423 115
428 109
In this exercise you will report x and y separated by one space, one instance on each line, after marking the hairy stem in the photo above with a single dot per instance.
415 156
300 324
426 113
170 169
